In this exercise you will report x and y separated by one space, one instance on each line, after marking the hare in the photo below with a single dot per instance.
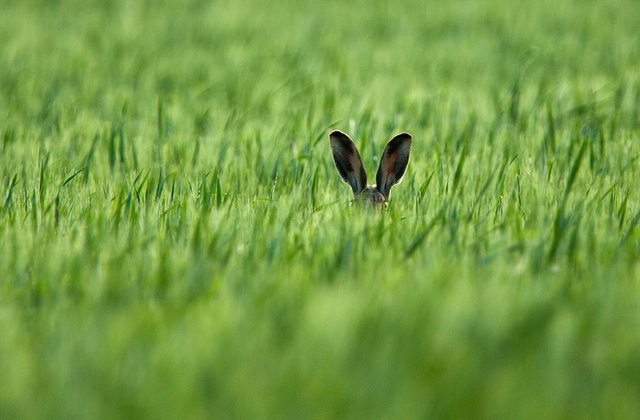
393 165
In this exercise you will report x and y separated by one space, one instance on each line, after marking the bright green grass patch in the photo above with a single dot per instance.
176 243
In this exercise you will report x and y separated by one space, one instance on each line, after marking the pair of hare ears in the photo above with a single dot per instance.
393 164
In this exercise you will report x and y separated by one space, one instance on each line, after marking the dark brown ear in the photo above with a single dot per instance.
394 162
348 161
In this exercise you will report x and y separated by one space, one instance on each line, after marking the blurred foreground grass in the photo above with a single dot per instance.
175 242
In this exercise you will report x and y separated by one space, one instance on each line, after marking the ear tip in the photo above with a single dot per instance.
403 138
337 133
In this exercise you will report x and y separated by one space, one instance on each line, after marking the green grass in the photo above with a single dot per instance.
175 242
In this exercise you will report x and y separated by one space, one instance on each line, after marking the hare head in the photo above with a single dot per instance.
393 165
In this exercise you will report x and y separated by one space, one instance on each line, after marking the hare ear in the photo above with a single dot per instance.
394 162
348 161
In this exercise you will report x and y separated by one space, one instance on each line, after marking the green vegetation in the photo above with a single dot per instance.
175 242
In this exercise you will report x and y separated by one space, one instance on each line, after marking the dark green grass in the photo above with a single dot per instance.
176 243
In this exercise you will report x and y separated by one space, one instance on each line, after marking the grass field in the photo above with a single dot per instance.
175 242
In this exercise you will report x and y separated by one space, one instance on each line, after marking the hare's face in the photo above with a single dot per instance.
393 165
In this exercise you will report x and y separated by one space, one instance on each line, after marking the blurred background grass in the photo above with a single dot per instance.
176 243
